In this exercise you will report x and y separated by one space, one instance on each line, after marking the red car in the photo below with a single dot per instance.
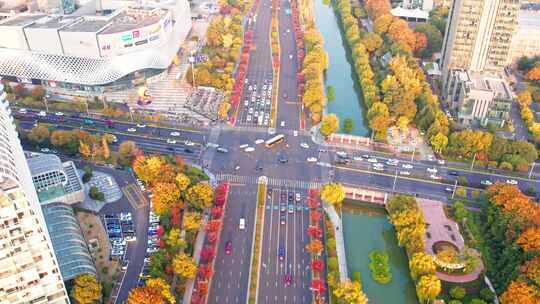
288 280
228 247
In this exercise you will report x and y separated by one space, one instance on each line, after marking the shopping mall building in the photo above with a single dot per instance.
116 46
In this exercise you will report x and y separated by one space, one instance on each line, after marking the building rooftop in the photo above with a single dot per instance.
87 24
134 18
484 82
529 19
43 163
21 20
52 22
68 242
409 13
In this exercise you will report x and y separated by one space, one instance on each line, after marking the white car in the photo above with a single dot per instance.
259 141
290 56
304 145
406 166
486 182
23 110
59 114
372 160
392 162
248 119
246 102
431 170
282 124
435 177
378 167
357 158
45 150
212 145
405 173
441 161
42 113
250 88
171 141
295 133
175 133
189 143
511 182
142 126
249 149
341 153
297 197
243 146
311 159
132 130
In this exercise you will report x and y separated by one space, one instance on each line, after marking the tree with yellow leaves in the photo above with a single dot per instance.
184 266
86 289
350 293
174 240
182 181
163 287
223 110
148 169
421 264
105 151
428 288
200 196
329 124
333 193
165 195
84 149
192 221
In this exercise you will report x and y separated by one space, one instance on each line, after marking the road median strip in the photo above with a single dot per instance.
257 242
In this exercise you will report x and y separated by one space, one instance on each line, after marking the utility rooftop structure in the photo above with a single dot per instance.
478 98
94 53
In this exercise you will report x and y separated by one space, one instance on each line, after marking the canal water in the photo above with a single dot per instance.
340 75
366 229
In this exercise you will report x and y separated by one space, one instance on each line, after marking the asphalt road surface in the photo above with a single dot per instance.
231 271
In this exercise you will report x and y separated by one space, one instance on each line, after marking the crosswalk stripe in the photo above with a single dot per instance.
275 182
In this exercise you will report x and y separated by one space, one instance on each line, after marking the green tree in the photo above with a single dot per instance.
127 152
86 289
459 211
330 93
348 125
95 194
458 292
329 125
434 38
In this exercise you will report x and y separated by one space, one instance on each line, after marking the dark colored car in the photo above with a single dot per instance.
288 280
188 150
282 219
281 253
453 173
282 158
228 247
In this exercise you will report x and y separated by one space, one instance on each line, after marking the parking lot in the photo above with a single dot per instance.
152 247
256 104
106 184
205 101
120 230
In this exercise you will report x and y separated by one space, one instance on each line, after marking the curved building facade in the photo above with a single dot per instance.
69 245
93 51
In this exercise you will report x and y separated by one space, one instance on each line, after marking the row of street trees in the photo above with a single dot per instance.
178 197
511 226
408 220
525 99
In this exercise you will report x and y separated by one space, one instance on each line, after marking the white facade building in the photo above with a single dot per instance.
479 99
526 39
130 42
29 271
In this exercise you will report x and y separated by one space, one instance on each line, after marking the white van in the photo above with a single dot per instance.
242 225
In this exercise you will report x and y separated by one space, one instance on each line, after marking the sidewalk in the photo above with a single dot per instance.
340 243
199 242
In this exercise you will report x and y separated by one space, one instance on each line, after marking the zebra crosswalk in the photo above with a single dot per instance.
274 182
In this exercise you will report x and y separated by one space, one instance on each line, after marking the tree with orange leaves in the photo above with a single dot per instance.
531 270
533 74
421 41
315 247
520 292
145 295
377 8
530 239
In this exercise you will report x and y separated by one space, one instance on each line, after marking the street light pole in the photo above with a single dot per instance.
532 168
455 186
472 164
192 61
414 150
45 101
395 181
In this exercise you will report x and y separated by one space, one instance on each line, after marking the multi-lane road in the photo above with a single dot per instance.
284 235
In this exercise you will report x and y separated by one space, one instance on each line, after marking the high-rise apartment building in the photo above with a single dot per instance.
478 35
29 271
